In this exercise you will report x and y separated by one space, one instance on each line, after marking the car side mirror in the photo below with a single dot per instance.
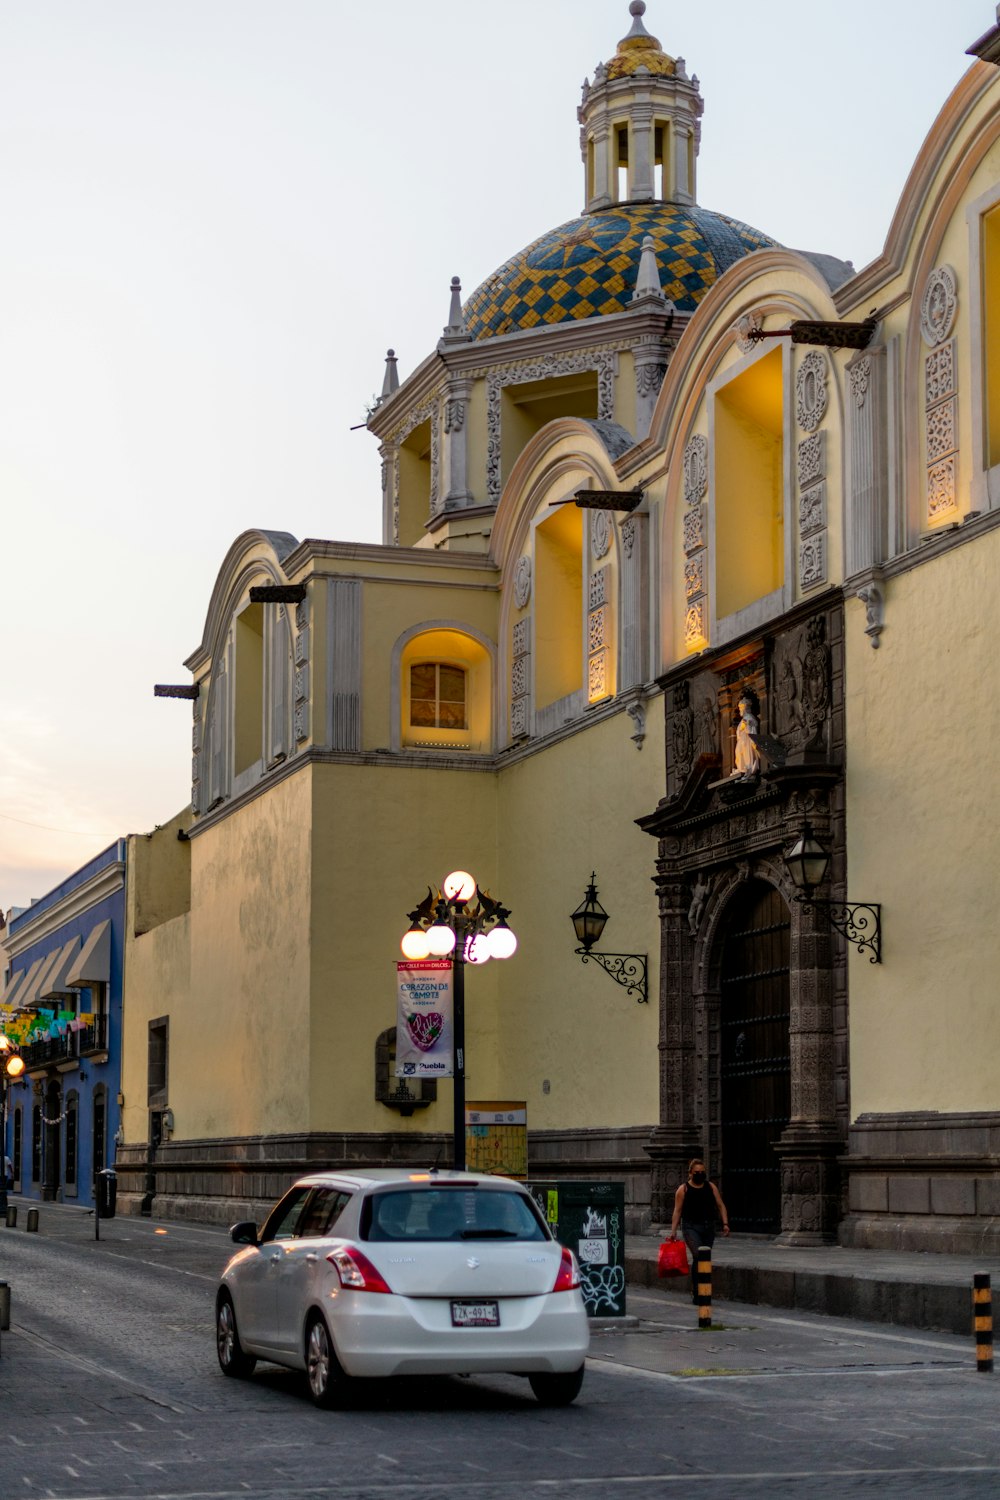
244 1233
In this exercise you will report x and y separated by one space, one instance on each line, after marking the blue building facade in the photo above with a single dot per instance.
61 1006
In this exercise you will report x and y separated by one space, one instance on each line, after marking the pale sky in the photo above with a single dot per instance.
218 214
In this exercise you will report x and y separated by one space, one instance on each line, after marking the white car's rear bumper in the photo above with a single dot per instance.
394 1335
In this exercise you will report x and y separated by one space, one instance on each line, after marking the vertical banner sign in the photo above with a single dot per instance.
423 1019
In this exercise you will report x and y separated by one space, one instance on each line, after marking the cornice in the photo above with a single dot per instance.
34 930
314 549
427 760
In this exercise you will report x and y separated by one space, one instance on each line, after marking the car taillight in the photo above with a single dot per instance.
356 1272
569 1273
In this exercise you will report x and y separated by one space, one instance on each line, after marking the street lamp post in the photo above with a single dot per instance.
465 923
11 1066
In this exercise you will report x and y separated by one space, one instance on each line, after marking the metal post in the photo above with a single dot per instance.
3 1136
982 1322
704 1295
458 1023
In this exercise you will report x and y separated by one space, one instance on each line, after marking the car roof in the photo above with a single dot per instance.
407 1177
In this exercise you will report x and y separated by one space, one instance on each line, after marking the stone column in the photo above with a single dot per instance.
650 368
677 1137
389 455
809 1147
456 460
681 188
633 604
866 518
602 193
640 164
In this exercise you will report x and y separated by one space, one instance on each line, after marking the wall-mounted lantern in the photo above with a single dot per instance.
860 922
627 969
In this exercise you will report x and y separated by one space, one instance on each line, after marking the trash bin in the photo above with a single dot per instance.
589 1218
106 1192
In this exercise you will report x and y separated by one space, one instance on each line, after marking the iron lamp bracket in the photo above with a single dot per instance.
860 922
626 969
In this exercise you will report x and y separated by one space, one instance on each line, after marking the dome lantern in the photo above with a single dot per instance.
640 124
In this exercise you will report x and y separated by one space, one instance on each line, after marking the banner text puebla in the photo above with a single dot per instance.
423 1024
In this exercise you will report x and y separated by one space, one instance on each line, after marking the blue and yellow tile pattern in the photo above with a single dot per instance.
588 267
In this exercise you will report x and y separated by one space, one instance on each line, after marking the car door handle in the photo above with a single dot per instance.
311 1258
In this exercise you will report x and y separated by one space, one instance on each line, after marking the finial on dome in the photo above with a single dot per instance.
647 283
455 331
637 10
391 381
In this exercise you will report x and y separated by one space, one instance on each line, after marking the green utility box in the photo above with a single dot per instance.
589 1219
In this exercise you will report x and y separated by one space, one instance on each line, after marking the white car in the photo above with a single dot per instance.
392 1272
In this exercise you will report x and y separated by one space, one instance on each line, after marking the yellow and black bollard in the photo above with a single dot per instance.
704 1283
982 1322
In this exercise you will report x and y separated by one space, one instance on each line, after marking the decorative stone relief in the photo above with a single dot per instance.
810 391
872 598
602 360
812 509
941 428
707 717
743 330
939 373
627 532
600 532
637 713
522 582
695 469
695 633
300 653
941 407
694 576
429 412
694 529
939 305
520 677
597 676
812 560
682 731
597 628
649 378
860 375
598 588
941 487
812 459
454 415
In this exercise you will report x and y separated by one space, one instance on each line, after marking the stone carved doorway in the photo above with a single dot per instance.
754 1055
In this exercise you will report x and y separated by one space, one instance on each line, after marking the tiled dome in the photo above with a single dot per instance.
588 267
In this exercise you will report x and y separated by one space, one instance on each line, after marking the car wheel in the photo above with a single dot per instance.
323 1369
233 1358
556 1390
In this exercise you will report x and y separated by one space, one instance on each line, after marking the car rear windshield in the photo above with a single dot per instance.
450 1214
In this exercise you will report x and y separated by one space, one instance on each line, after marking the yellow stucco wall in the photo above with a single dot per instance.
563 814
382 836
923 723
244 1035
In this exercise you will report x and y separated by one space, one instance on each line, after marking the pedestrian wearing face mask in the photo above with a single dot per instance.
697 1206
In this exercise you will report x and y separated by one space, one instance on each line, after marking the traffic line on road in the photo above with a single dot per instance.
879 1371
91 1367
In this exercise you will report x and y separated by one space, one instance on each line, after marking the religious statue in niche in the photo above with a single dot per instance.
699 897
708 726
746 759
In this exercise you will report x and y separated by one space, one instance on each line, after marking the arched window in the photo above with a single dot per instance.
442 690
100 1157
437 695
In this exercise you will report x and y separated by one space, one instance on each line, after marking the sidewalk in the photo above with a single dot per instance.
913 1288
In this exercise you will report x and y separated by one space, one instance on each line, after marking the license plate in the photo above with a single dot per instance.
475 1314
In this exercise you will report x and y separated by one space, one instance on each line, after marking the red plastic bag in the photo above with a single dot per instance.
672 1259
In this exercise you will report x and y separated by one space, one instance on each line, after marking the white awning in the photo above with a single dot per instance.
32 990
14 982
16 992
94 963
55 982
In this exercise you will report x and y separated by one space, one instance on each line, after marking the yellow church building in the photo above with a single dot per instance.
688 563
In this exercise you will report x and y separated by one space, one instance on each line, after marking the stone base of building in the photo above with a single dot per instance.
924 1181
223 1181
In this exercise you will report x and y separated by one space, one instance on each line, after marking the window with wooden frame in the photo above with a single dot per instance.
437 695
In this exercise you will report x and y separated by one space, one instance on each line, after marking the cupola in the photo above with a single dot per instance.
640 124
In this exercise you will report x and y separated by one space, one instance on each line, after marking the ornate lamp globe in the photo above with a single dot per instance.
807 861
589 918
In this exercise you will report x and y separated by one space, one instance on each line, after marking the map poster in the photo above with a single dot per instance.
423 1019
496 1138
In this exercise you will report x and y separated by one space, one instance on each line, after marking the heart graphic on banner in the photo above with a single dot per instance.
425 1029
